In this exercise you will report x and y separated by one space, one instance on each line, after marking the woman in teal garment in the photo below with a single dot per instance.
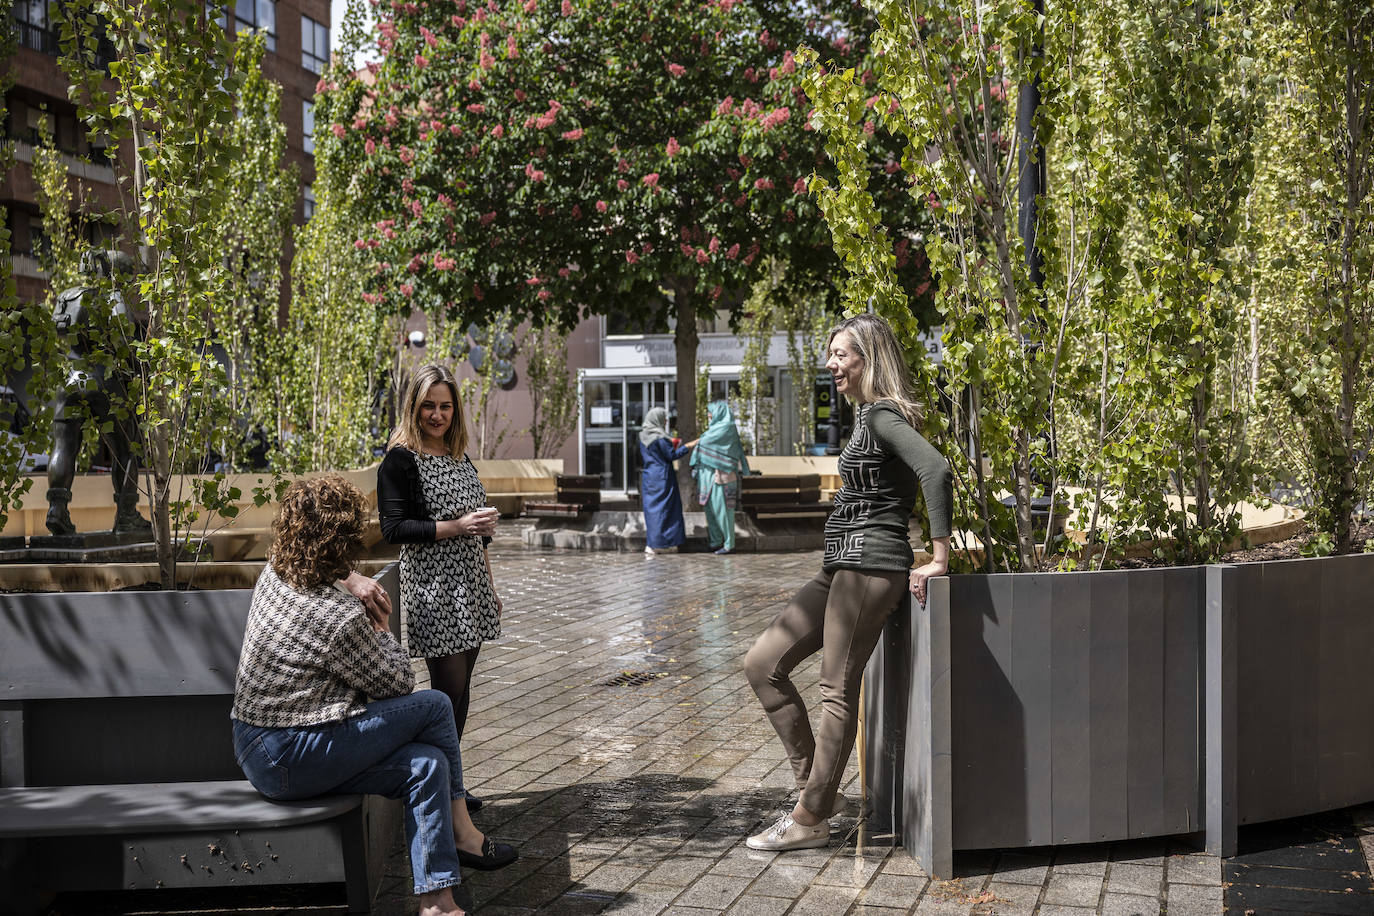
718 462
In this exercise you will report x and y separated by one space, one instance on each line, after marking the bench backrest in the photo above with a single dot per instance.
774 489
579 489
121 687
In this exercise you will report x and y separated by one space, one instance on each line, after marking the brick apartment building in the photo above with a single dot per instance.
297 52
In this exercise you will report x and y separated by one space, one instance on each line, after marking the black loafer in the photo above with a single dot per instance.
473 802
494 855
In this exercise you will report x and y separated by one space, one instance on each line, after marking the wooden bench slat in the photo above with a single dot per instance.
155 807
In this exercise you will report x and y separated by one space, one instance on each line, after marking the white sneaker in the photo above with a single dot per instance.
788 834
650 552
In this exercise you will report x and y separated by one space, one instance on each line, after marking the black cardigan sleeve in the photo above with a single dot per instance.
401 500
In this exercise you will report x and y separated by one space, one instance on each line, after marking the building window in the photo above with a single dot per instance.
309 201
314 45
257 14
31 21
308 127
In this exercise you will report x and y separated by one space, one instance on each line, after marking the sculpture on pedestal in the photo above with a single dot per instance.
95 389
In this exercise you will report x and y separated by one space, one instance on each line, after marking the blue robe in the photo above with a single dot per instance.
658 494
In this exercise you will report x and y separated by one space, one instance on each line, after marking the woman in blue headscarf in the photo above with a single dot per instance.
658 492
719 460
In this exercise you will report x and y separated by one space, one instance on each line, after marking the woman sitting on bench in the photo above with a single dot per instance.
311 658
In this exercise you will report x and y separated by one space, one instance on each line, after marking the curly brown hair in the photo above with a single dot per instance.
318 531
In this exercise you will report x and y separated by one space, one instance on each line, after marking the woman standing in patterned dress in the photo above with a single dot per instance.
867 566
430 502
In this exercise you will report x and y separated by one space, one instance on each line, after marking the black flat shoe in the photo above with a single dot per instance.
494 855
473 802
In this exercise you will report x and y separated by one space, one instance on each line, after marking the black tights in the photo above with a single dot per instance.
453 675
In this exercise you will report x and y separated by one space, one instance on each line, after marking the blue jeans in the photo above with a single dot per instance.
405 747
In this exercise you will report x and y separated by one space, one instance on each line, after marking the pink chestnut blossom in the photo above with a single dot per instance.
486 219
733 251
477 108
726 106
567 7
443 263
763 184
512 50
531 5
498 131
421 62
672 147
702 256
687 250
406 155
651 179
676 70
574 134
533 281
532 173
543 295
370 146
621 184
714 245
799 186
407 290
600 206
631 257
577 211
520 95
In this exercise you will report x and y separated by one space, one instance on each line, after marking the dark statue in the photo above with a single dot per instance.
95 386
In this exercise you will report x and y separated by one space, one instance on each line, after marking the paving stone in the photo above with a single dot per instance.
1022 869
1129 905
898 890
822 900
1082 860
849 871
784 881
1011 899
678 871
1193 869
1056 909
754 905
1193 900
1132 878
714 891
1073 890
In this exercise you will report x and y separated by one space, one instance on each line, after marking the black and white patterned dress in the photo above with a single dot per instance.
445 588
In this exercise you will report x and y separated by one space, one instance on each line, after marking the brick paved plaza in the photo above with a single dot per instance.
637 799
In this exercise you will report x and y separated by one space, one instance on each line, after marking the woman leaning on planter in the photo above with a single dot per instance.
431 502
867 566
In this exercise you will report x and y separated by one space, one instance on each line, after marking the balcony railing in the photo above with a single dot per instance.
36 38
47 41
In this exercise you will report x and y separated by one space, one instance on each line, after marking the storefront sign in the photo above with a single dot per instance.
713 349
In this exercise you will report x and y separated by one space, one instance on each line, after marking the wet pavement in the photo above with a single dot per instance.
635 798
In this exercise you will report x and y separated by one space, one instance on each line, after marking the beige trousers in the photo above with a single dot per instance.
840 613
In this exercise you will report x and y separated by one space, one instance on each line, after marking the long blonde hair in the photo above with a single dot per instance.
884 376
407 432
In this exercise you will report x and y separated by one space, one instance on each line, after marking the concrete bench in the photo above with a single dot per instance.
575 495
116 760
766 496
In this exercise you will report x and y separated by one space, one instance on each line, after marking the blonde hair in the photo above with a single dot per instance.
407 432
884 376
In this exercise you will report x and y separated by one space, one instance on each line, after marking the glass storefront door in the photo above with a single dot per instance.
613 416
603 420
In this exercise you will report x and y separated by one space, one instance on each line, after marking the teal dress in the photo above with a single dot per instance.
718 462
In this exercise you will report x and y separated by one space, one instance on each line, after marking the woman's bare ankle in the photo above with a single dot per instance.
440 903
